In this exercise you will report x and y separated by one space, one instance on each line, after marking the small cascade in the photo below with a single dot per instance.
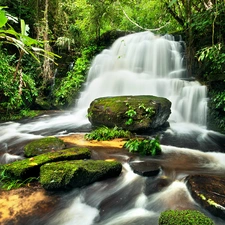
145 64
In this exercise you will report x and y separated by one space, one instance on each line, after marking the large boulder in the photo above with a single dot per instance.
134 113
209 192
26 168
77 173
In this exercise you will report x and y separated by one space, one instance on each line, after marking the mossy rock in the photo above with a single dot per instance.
209 192
77 173
43 145
133 113
184 217
31 167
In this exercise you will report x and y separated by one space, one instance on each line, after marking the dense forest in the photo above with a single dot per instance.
46 46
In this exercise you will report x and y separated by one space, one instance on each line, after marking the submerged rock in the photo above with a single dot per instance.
78 173
209 192
47 144
146 169
31 167
184 217
134 113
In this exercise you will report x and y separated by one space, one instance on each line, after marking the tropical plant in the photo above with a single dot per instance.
11 98
144 146
69 87
104 133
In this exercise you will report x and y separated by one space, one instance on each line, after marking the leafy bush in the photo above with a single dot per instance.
217 108
213 58
184 217
15 94
144 146
104 133
69 87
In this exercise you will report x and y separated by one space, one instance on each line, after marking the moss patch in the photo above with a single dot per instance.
43 145
78 173
184 217
31 167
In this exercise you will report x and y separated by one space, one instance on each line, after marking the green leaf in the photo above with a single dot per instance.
3 18
172 3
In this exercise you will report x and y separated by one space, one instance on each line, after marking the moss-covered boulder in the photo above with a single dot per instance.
134 113
209 192
31 167
77 173
184 217
43 145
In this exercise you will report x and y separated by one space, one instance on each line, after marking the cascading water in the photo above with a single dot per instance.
144 64
137 64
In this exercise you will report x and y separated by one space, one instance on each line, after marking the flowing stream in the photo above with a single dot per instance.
137 64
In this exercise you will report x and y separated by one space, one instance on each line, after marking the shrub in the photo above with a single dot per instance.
184 217
104 133
144 146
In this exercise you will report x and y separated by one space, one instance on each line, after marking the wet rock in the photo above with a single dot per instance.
156 185
77 173
31 167
134 113
209 192
145 168
47 144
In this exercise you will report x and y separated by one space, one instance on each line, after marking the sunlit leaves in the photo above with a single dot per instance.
3 18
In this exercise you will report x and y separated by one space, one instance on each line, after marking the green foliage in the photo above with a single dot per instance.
8 182
131 112
217 108
213 58
11 98
184 217
144 146
104 133
69 87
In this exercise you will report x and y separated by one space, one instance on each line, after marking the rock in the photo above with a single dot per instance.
156 185
134 113
31 167
40 146
146 169
78 173
209 192
184 217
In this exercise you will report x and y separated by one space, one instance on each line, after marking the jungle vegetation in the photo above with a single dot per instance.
42 40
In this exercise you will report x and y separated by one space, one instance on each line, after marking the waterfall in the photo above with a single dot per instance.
145 64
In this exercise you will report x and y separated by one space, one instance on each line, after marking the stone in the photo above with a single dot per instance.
43 145
133 113
209 192
26 168
145 168
77 173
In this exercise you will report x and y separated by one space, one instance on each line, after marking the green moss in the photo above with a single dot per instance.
43 145
184 217
68 174
31 167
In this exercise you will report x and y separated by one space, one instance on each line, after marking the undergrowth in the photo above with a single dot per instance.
104 133
144 146
8 183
